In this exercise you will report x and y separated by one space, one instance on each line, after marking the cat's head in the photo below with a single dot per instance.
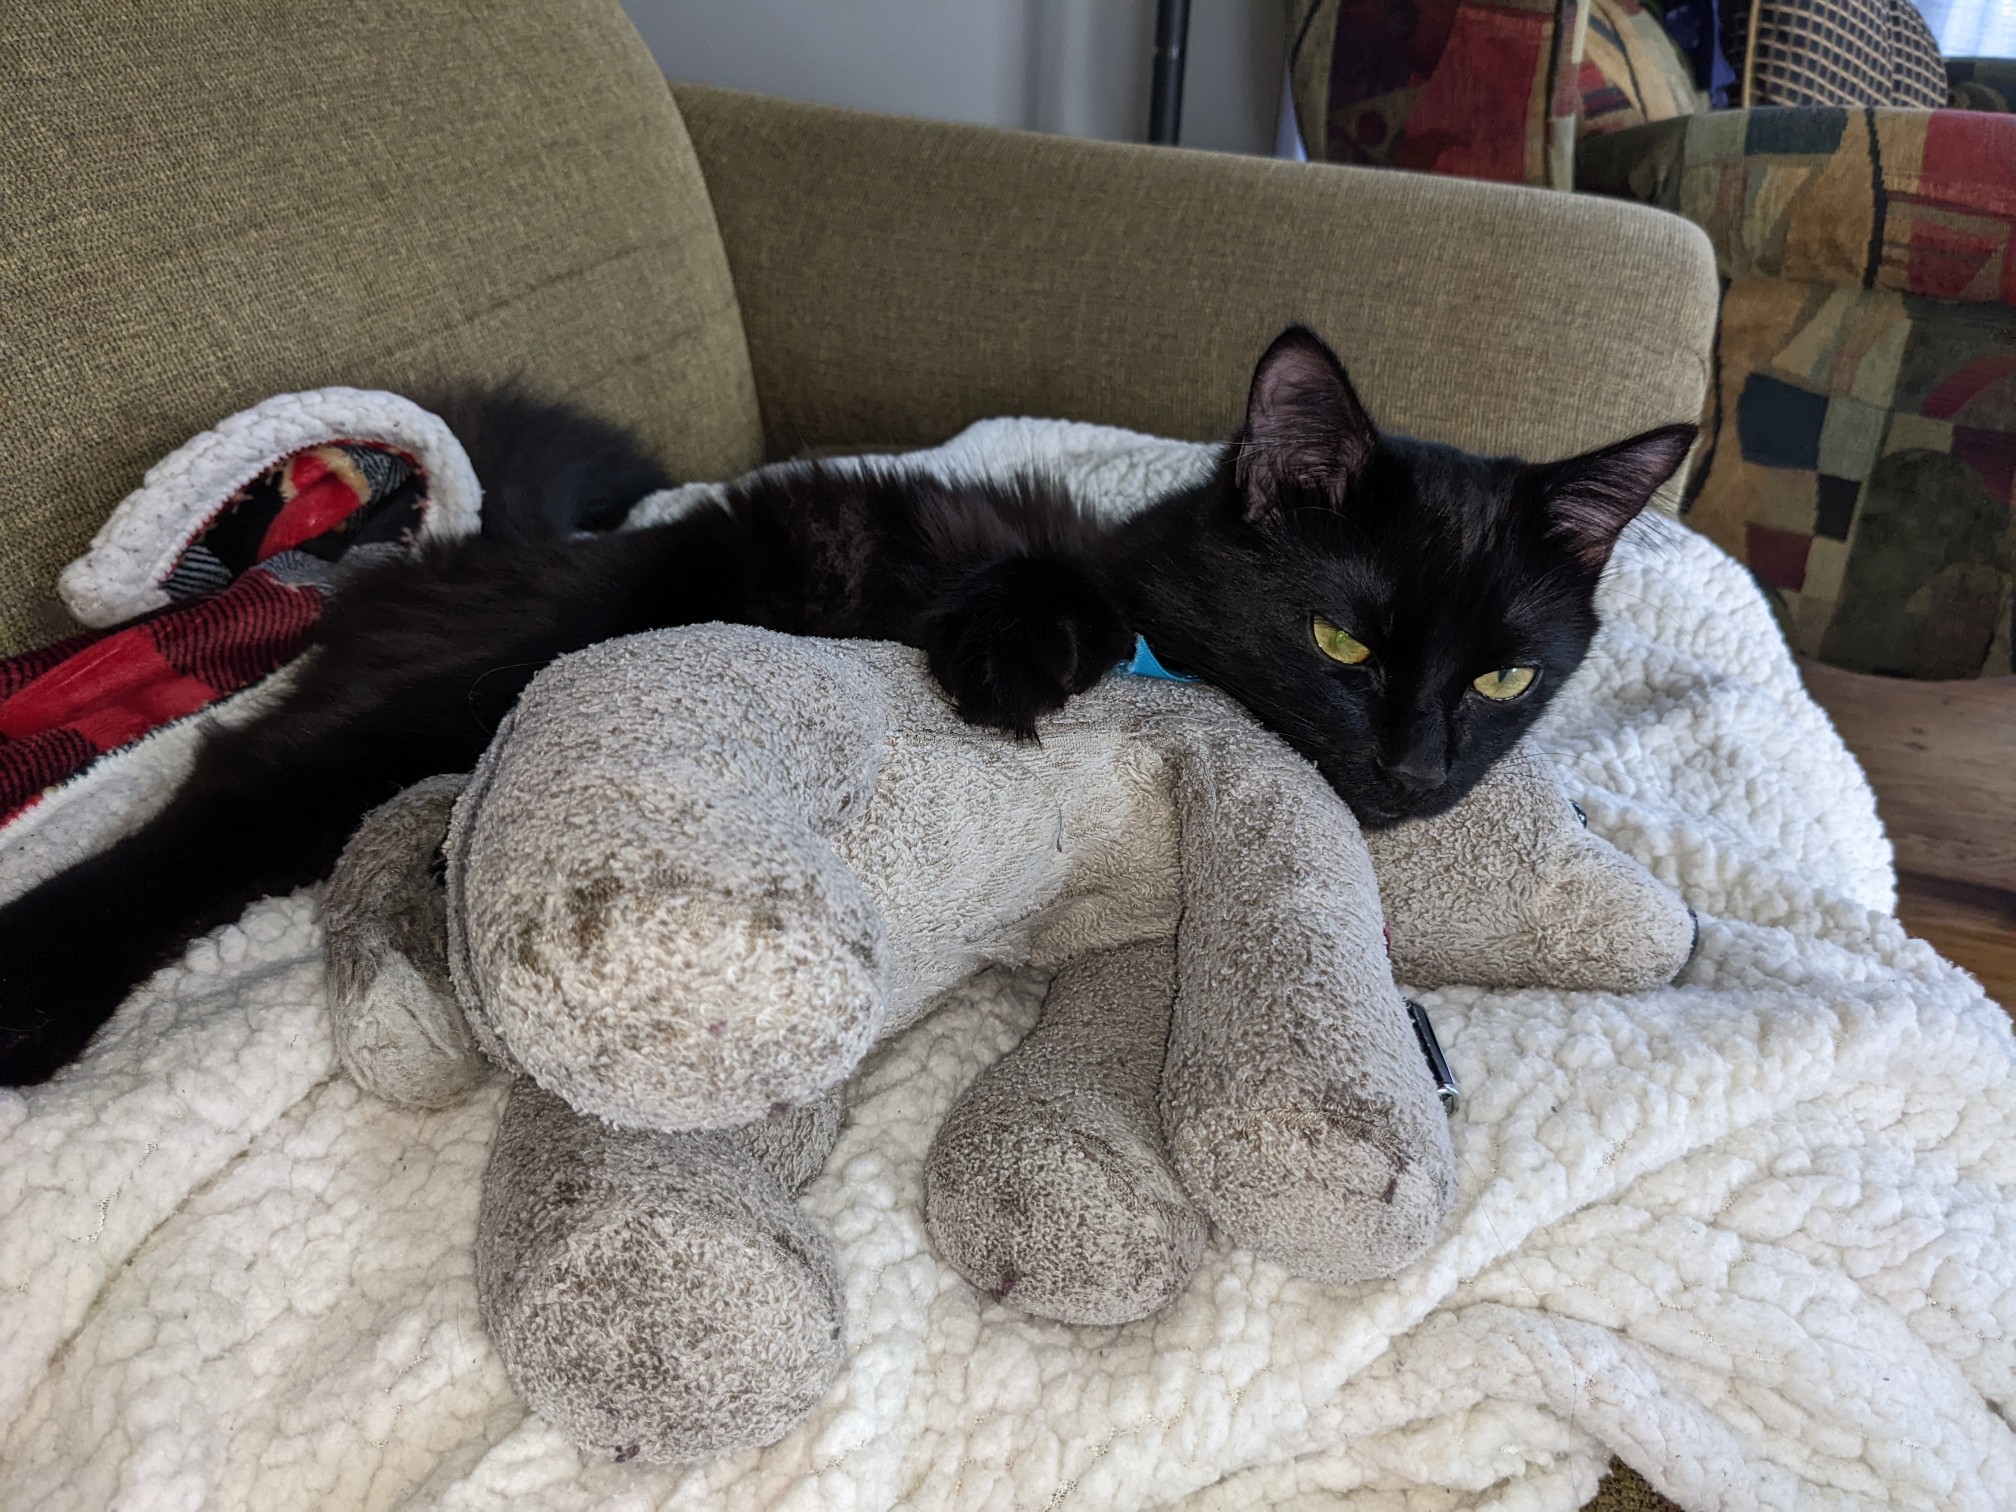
1400 611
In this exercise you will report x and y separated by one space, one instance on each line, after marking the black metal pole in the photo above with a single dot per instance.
1165 102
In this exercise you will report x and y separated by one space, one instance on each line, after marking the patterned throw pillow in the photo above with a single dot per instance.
1863 430
1632 72
1835 52
1480 90
1870 443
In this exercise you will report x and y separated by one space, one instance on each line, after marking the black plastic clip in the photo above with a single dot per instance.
1438 1064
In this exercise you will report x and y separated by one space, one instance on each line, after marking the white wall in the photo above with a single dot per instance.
1074 66
1232 95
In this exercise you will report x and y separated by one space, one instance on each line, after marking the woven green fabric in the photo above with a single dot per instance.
208 202
900 279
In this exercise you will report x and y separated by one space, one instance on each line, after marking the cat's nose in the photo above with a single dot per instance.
1419 772
1423 759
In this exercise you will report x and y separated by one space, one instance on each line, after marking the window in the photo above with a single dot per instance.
1972 28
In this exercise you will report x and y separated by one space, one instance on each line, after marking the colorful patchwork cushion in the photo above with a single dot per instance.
1631 71
1921 202
1835 52
1863 468
1864 420
1461 87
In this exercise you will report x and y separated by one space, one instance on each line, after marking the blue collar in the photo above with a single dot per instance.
1144 664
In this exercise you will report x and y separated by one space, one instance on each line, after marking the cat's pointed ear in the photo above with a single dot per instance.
1305 428
1591 498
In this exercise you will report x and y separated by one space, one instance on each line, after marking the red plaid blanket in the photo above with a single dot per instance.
247 590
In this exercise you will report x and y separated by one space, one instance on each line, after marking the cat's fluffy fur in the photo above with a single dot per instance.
1445 563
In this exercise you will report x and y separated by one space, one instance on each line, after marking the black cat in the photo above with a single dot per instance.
1357 591
1398 611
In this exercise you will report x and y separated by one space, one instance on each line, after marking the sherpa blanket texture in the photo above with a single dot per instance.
1752 1232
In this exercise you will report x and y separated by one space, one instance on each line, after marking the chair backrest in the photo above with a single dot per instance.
209 201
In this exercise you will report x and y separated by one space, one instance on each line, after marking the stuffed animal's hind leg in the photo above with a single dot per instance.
392 1009
658 1296
1049 1186
1509 889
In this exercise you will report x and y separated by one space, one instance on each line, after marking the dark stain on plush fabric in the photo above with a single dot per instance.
588 906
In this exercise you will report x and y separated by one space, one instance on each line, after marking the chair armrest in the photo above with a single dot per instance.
1918 201
899 279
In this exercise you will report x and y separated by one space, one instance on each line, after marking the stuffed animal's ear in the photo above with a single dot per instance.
1591 498
1305 430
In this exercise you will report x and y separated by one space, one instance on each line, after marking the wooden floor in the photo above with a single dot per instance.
1942 758
1973 926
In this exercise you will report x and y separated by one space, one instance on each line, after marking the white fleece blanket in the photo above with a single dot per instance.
1752 1233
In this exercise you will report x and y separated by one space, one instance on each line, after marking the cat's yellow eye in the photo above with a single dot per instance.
1340 645
1505 683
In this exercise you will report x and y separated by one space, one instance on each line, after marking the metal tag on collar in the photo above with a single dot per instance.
1438 1063
1144 664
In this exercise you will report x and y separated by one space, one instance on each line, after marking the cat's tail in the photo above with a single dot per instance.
547 468
72 949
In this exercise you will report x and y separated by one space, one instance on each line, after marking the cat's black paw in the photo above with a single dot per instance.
1013 640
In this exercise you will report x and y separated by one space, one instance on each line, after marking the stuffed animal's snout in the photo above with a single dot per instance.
724 967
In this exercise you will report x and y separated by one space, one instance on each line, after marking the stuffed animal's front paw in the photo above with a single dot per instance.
1048 1186
654 1297
1016 639
1335 1187
1060 1210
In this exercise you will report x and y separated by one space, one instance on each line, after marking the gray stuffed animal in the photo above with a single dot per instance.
700 873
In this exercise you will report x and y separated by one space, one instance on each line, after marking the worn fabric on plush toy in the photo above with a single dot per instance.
699 875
